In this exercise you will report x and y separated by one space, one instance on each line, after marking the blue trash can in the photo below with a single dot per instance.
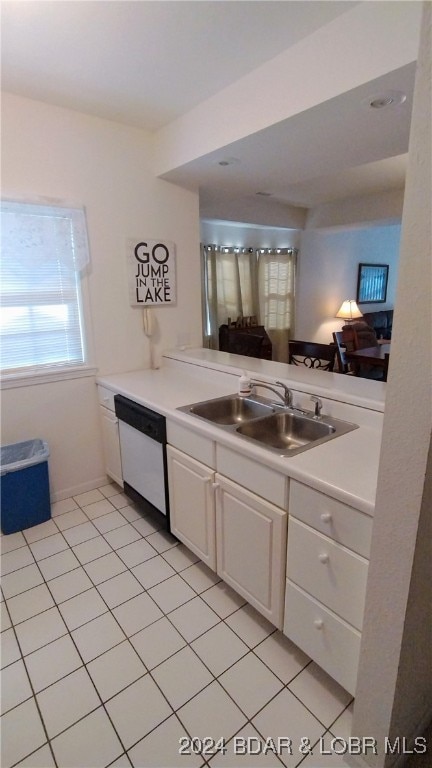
24 485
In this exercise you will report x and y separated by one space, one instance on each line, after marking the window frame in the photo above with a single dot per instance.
31 375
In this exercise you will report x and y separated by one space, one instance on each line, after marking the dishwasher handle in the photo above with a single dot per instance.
143 419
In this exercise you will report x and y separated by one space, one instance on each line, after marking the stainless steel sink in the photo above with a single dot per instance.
287 431
282 430
232 409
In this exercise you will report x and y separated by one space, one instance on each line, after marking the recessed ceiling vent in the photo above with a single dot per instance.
384 100
228 161
264 194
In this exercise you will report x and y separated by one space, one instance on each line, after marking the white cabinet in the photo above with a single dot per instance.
192 506
251 536
235 532
344 524
326 638
249 473
110 435
199 447
328 543
111 445
331 573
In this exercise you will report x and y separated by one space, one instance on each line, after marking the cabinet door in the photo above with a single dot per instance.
192 509
251 548
111 445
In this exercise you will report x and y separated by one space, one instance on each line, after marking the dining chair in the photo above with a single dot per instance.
312 355
360 336
248 344
343 365
252 341
386 365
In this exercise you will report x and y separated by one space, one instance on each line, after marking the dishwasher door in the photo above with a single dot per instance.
143 465
142 435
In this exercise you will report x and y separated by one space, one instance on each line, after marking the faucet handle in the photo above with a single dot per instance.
318 406
287 393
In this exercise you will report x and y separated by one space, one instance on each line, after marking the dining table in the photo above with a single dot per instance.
370 355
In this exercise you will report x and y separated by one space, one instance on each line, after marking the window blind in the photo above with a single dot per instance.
277 288
44 248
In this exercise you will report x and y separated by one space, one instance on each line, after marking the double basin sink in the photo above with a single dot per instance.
284 430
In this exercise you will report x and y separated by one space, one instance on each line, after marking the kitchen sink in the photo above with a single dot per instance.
232 409
283 430
287 431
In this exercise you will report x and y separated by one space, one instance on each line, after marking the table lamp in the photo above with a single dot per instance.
349 311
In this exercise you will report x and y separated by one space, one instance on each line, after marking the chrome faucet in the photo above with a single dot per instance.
286 397
318 406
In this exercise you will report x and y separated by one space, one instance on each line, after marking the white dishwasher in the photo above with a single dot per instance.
142 435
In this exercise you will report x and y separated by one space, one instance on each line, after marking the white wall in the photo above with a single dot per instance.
253 210
66 415
247 236
389 33
394 692
373 209
327 274
53 153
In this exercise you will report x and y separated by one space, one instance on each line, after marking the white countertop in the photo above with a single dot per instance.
345 468
348 389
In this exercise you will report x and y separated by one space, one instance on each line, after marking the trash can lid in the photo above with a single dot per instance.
21 455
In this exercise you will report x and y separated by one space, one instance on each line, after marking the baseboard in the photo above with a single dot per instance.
75 490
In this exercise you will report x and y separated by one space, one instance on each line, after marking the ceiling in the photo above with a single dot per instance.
146 63
352 149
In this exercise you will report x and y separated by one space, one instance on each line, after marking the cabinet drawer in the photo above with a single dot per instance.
327 639
106 398
264 481
200 447
343 523
327 571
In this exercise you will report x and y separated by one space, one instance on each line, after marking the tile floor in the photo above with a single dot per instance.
119 646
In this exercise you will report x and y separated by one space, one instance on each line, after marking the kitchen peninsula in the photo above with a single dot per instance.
290 534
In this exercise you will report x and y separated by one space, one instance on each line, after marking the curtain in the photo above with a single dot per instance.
247 281
276 284
230 288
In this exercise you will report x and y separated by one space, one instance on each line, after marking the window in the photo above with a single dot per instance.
276 280
44 251
245 281
229 287
277 288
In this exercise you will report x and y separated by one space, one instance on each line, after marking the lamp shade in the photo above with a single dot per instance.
349 310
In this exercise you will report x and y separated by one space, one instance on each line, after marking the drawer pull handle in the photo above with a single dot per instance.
318 623
323 558
326 517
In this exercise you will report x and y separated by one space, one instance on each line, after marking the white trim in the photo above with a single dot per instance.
75 490
12 380
59 202
89 347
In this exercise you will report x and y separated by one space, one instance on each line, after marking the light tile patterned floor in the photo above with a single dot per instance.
117 643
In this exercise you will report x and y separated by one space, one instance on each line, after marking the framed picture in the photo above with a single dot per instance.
372 283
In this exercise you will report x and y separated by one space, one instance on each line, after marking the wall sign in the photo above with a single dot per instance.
151 273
